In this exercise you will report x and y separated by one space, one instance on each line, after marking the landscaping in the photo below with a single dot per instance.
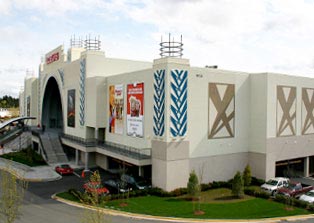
215 203
26 156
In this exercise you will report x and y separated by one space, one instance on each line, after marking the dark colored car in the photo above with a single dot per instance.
136 182
64 169
115 185
295 189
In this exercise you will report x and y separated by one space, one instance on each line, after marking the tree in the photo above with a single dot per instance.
12 191
237 185
193 185
247 177
96 200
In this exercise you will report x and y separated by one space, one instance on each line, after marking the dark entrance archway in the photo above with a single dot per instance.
52 115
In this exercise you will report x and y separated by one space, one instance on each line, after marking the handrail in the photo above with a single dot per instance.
125 150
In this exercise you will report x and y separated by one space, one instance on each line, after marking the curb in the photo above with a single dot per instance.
175 219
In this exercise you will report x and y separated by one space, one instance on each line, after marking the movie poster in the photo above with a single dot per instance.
135 109
116 109
71 108
28 106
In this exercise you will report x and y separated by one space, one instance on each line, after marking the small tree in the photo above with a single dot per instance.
95 199
193 185
247 177
237 185
12 191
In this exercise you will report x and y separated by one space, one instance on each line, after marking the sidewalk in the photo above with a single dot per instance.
33 174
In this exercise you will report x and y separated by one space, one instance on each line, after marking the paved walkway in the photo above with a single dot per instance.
33 174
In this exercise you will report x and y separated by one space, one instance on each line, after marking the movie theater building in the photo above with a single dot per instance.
166 118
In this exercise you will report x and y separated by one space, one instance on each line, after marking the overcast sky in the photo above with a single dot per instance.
244 35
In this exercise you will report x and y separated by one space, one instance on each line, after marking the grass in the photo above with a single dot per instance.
217 204
26 156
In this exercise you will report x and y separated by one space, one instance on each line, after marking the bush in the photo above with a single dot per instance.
299 203
262 194
193 187
179 192
155 191
205 187
237 185
249 191
247 177
311 207
257 182
220 184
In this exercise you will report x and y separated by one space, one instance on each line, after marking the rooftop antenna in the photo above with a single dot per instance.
171 48
92 44
76 42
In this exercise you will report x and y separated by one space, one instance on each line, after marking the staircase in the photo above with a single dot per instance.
53 148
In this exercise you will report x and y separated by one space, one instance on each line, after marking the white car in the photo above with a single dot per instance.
308 197
272 185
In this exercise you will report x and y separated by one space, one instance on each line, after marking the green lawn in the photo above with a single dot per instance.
26 156
216 204
172 207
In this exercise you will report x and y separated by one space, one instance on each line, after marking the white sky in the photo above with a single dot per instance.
245 35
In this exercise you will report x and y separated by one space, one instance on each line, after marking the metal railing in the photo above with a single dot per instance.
84 142
123 150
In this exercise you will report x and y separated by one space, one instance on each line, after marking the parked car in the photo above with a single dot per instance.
64 169
295 189
95 187
272 185
135 182
308 197
115 185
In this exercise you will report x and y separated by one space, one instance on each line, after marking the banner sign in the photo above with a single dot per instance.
116 109
135 109
71 108
52 58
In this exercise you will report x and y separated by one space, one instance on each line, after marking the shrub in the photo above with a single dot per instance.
220 184
179 192
262 194
237 185
250 191
299 203
247 177
193 187
155 191
257 182
205 187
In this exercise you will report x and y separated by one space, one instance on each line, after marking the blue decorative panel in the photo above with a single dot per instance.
82 91
179 104
61 73
159 102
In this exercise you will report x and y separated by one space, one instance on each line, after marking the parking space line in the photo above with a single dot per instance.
77 175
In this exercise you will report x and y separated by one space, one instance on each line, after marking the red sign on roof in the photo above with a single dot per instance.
52 58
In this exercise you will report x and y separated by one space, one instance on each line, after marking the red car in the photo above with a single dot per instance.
64 169
92 187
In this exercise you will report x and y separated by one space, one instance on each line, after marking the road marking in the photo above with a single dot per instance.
77 175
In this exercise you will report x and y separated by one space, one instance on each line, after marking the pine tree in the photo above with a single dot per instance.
193 185
247 177
237 185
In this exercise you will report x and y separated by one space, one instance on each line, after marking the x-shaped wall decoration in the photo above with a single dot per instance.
222 119
309 107
288 117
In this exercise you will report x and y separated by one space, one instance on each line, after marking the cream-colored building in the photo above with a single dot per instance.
164 119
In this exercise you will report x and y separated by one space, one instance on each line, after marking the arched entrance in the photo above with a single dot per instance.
52 115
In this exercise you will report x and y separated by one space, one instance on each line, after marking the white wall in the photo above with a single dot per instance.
145 76
200 145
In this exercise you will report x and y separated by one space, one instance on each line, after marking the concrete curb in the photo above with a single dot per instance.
174 219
